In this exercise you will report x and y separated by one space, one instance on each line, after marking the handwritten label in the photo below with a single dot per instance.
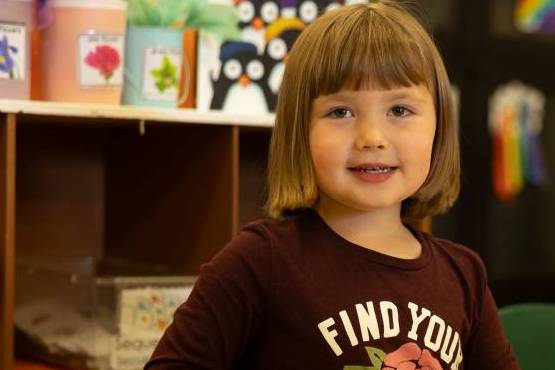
132 352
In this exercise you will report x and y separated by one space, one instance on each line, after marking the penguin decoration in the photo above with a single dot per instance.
351 2
308 10
254 17
240 86
280 37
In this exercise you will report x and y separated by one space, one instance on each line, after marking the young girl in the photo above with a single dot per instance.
364 143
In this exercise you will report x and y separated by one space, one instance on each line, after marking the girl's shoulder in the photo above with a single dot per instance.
462 256
263 232
284 227
255 247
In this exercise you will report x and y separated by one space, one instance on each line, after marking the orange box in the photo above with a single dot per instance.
82 51
187 98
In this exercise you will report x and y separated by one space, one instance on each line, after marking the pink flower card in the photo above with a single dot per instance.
100 59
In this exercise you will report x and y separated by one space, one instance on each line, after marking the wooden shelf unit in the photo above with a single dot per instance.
161 188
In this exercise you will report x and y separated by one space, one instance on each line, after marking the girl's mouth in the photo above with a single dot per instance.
373 169
373 173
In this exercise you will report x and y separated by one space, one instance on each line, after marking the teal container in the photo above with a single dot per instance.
153 58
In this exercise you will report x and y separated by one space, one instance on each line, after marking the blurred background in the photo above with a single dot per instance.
133 145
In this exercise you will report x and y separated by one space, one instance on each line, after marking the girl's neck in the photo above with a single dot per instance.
375 222
380 230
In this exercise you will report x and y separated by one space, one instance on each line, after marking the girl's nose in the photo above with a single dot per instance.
370 136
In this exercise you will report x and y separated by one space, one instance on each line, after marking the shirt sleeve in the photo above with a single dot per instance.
214 326
489 348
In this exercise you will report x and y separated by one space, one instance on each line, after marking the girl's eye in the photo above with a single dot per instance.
400 111
340 113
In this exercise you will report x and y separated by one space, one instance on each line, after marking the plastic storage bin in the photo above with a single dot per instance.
83 51
153 58
15 31
80 320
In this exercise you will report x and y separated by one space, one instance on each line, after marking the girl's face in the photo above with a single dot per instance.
371 149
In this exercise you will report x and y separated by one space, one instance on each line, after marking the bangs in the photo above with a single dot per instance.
360 52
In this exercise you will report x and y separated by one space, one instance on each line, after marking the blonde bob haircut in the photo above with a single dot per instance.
379 44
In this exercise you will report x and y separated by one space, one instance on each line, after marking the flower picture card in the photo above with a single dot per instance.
161 74
12 51
100 59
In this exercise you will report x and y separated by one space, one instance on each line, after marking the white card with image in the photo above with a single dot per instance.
13 51
161 73
100 59
149 310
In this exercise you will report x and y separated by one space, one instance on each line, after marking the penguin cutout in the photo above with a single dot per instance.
280 37
308 10
288 8
254 17
352 2
241 85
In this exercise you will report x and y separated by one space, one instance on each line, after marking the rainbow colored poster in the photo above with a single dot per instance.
516 113
535 16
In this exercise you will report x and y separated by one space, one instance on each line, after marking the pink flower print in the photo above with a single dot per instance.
410 357
104 58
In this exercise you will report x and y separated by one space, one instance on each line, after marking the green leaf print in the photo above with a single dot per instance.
165 76
376 356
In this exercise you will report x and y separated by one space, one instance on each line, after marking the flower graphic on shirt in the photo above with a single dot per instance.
104 58
410 356
7 64
407 357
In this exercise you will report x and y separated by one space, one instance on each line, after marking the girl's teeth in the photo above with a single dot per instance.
375 170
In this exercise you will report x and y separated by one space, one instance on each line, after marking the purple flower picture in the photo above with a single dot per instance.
7 64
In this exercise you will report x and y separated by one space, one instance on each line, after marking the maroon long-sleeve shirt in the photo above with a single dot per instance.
293 294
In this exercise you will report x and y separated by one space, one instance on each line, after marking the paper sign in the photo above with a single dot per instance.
161 73
100 59
13 51
149 310
132 352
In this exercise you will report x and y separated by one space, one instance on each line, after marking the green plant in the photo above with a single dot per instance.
217 19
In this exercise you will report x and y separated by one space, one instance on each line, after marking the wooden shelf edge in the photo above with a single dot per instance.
7 245
167 115
29 365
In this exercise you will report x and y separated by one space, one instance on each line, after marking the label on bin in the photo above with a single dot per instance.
161 73
100 59
149 309
13 51
132 352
